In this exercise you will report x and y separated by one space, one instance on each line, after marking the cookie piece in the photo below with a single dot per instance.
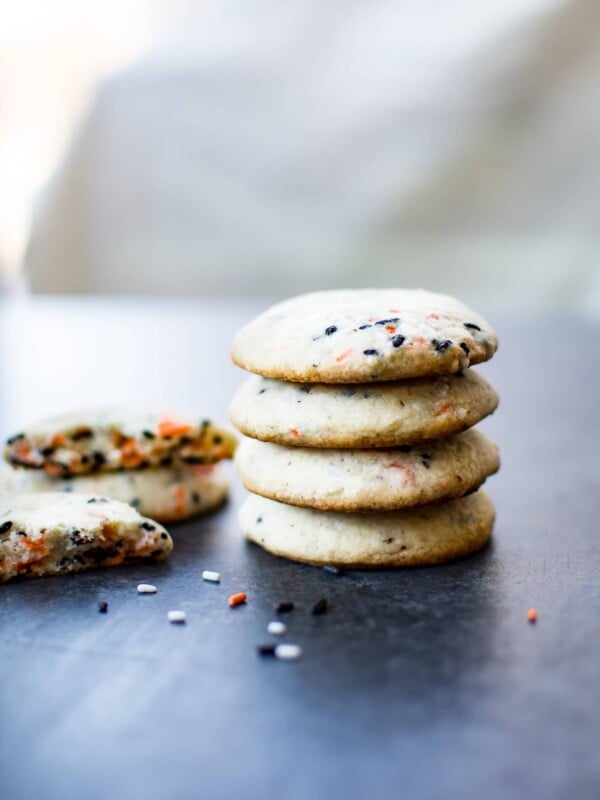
54 533
420 536
363 480
109 440
167 494
351 415
357 336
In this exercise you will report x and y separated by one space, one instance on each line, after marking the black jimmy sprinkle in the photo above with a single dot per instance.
283 608
365 326
320 607
103 607
6 526
266 649
387 321
440 347
146 526
398 340
465 347
371 352
471 326
15 438
331 329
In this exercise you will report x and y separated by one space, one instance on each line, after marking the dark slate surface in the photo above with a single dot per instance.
426 683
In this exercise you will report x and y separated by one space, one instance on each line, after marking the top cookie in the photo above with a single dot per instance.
358 336
109 440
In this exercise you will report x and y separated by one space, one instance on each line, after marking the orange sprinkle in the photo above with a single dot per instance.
57 440
442 408
180 500
295 432
343 356
237 599
532 615
390 328
169 427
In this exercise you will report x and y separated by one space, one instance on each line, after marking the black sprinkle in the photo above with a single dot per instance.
196 497
266 650
398 340
387 321
427 456
320 607
146 526
166 461
103 607
148 434
460 374
163 536
331 329
464 346
426 463
217 439
305 389
77 539
440 347
21 533
193 459
205 423
99 458
364 327
98 500
472 326
262 391
81 433
331 569
47 451
143 465
258 520
6 526
135 503
349 392
371 352
284 608
15 438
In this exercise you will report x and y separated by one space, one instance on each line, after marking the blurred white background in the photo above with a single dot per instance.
236 146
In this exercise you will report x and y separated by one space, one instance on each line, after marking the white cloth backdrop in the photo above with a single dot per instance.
286 146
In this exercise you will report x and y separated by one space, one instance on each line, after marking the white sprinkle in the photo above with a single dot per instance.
146 588
176 616
288 652
277 628
214 577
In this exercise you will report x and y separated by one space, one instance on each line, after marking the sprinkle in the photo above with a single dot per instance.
387 321
176 617
276 628
371 352
103 607
266 650
398 340
213 577
440 347
237 599
217 439
148 434
288 652
17 437
320 607
331 569
147 526
146 588
331 329
6 526
465 348
364 327
472 326
532 615
258 520
283 608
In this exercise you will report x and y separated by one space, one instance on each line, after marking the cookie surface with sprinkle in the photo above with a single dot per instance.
431 534
364 335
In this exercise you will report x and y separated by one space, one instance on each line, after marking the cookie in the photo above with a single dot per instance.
54 533
350 415
363 480
167 494
420 536
358 336
110 440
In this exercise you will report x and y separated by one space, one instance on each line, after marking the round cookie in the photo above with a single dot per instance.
165 494
420 536
54 533
350 415
368 480
358 336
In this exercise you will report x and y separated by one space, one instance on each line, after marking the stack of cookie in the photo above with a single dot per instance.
362 451
165 466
